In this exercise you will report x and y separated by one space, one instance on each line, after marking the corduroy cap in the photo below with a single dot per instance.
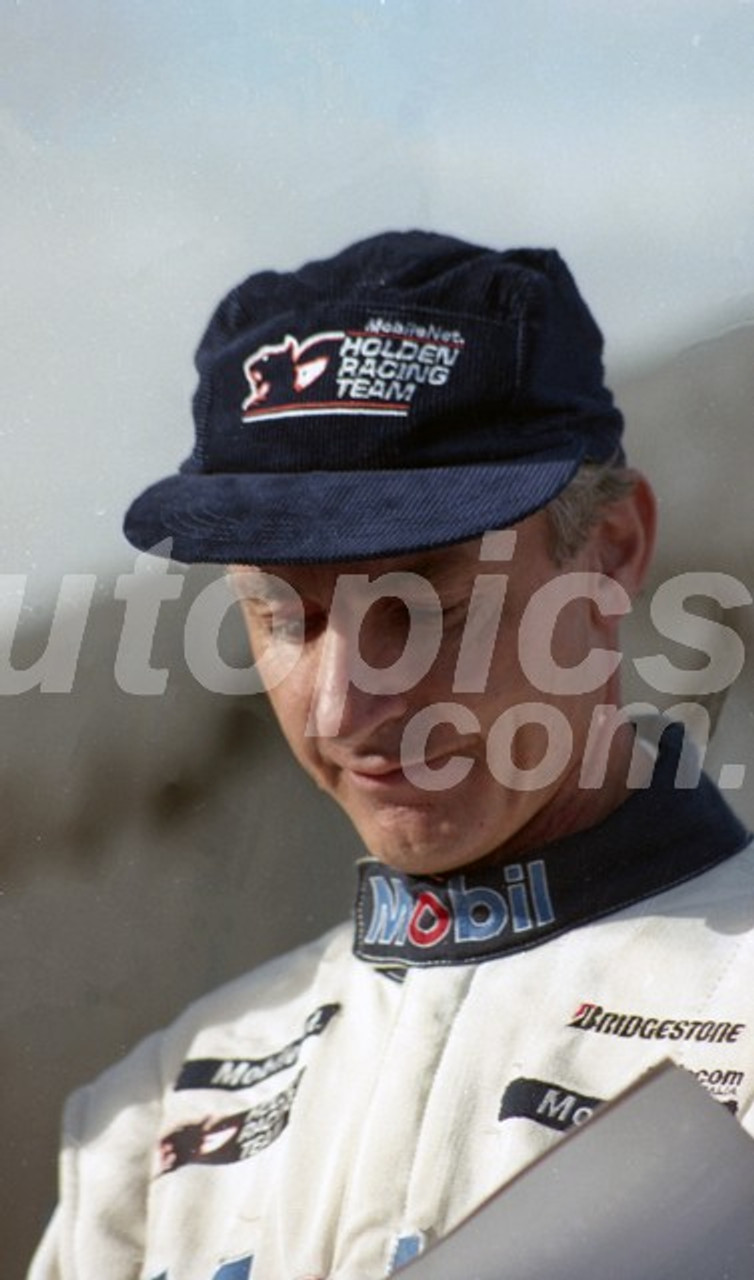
412 392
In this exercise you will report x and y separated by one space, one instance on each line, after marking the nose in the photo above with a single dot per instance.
362 685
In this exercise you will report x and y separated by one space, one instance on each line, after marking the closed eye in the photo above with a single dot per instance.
298 626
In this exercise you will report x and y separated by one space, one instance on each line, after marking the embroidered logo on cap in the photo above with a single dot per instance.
374 370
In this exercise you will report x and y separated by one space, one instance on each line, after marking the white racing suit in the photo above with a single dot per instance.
333 1112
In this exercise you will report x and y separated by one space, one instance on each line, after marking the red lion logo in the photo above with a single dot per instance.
285 369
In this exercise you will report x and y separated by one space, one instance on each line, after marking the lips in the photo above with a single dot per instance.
373 769
385 777
381 774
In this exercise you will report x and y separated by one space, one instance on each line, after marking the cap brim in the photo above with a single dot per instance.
330 516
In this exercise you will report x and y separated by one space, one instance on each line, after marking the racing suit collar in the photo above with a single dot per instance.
659 837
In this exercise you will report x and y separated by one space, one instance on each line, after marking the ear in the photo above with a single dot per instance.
623 539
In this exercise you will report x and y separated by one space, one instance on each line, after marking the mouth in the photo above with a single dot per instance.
376 777
379 776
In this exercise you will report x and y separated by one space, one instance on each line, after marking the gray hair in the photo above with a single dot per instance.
577 508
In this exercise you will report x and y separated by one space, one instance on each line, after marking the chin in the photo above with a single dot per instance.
422 855
430 838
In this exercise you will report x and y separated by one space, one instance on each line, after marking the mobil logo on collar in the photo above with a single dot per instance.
454 919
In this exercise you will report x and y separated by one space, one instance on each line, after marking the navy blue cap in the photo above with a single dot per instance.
412 392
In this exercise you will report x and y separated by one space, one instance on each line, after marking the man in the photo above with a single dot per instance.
408 459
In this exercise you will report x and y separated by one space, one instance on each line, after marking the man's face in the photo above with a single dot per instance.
392 690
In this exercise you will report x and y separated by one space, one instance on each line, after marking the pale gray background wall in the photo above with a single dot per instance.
153 153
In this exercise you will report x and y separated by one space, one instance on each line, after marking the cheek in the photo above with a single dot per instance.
501 682
559 653
572 634
290 702
282 669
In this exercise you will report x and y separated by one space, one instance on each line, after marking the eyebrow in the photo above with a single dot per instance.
434 568
265 585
